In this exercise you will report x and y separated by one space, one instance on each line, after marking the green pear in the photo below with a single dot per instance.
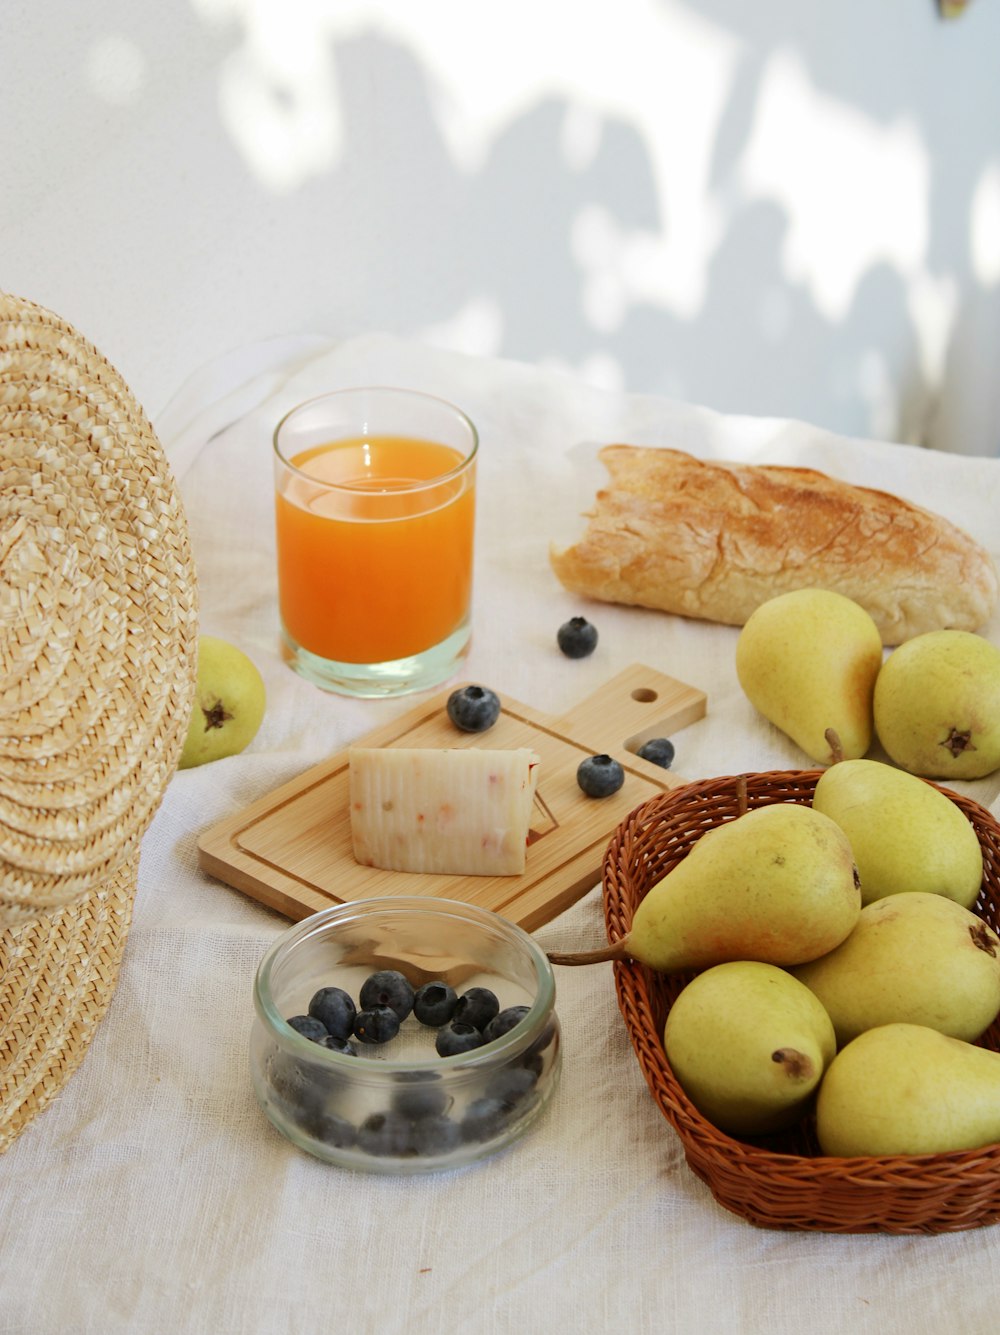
777 884
808 660
229 703
912 958
906 1089
748 1045
937 705
905 833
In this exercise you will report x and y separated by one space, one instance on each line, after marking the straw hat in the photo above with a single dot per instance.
98 644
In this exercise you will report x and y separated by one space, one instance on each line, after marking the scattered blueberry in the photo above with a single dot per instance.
473 708
434 1003
477 1007
386 1133
337 1044
309 1027
387 987
377 1025
335 1010
577 637
658 751
600 776
457 1036
504 1022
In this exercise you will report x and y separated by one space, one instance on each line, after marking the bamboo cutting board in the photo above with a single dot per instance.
291 849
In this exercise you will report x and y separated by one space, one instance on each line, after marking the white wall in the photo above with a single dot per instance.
787 208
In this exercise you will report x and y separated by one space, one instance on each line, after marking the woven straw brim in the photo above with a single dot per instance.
57 977
98 655
97 616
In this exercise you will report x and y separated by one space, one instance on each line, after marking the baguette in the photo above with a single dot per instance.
715 540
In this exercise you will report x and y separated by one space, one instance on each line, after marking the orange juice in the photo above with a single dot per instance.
374 541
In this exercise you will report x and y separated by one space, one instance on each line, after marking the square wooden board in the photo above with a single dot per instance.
291 849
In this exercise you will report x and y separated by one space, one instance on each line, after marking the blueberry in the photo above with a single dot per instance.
291 1087
600 776
504 1022
434 1135
302 1093
335 1009
484 1118
457 1036
331 1129
477 1007
386 1133
309 1027
541 1054
337 1044
473 708
658 751
387 987
577 637
508 1094
434 1003
421 1100
512 1086
377 1025
546 1038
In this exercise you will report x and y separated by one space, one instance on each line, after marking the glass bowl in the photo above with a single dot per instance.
397 1106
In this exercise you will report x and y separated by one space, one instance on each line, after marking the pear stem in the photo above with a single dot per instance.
617 950
834 743
742 802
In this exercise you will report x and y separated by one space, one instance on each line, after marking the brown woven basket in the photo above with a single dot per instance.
783 1181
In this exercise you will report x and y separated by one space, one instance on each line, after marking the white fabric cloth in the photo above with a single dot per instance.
154 1196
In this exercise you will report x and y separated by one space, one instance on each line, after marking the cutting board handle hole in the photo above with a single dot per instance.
645 695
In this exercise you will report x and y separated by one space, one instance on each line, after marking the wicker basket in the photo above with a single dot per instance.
783 1181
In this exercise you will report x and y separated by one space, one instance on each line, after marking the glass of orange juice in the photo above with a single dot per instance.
375 512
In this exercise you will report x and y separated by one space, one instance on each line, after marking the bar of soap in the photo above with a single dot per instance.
454 811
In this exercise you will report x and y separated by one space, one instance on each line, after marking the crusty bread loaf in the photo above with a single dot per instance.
715 540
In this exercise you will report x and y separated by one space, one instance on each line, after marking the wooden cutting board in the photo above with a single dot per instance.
291 849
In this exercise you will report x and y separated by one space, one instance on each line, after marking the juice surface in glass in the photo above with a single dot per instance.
374 543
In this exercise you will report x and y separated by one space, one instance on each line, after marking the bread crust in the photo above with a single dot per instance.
715 540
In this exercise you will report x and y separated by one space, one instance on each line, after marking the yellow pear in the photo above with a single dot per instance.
937 705
906 1089
808 660
229 704
748 1045
915 958
777 884
905 833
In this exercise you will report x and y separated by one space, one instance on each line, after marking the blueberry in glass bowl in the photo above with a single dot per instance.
398 1105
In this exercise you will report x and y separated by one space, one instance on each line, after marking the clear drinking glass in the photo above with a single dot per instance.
375 518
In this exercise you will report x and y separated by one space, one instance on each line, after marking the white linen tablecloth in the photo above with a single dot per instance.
153 1196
